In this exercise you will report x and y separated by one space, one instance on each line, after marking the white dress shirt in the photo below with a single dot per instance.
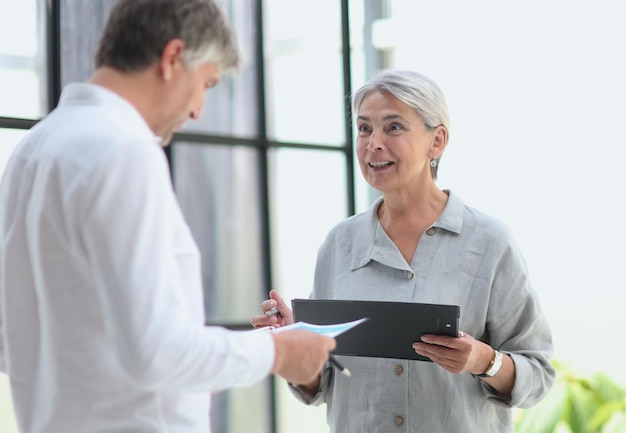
101 304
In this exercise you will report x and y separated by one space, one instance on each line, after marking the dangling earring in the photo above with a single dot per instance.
433 163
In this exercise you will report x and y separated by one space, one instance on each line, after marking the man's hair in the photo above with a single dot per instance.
137 31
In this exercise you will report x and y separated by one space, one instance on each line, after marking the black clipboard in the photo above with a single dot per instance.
392 327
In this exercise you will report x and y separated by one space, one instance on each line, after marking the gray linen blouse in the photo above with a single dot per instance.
466 258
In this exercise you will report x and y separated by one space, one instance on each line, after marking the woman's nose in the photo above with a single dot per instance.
374 144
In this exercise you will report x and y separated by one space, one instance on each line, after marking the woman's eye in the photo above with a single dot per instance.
363 128
395 127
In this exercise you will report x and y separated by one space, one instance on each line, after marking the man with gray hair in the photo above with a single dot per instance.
101 305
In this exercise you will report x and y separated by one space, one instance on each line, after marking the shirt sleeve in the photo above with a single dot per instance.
319 398
517 327
3 362
131 225
3 367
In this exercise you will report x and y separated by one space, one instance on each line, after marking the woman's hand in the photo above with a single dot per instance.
465 353
456 355
283 317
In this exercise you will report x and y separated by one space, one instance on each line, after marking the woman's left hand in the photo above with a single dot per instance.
456 355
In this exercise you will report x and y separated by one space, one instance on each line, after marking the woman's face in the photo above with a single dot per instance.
393 146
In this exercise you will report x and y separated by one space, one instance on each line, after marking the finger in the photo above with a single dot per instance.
451 366
436 352
332 344
268 304
276 297
259 321
443 340
280 302
284 308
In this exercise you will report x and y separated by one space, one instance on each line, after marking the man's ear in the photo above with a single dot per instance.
172 58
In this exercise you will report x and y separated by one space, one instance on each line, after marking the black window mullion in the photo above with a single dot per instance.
53 49
266 257
347 87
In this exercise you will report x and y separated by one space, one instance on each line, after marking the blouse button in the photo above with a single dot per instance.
410 275
431 231
399 421
398 370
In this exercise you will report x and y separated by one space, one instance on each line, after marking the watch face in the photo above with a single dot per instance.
497 363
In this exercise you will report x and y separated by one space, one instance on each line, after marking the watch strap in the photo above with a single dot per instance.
494 366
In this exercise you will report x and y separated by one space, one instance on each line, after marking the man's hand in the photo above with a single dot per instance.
300 355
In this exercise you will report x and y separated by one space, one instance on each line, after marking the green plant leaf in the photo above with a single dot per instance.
563 427
617 424
544 417
604 413
577 405
606 388
583 405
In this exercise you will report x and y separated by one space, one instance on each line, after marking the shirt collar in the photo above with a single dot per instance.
87 93
369 245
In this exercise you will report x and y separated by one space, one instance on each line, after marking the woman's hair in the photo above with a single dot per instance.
137 31
415 90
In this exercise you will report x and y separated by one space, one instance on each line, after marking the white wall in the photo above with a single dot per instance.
537 99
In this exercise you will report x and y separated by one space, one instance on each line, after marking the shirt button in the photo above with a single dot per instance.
431 231
399 421
410 275
398 370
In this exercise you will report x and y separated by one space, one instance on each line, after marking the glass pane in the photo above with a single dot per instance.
8 140
8 423
294 416
304 84
227 408
218 190
22 59
365 60
81 25
231 108
308 197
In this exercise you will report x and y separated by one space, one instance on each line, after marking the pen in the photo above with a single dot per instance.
339 367
272 311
